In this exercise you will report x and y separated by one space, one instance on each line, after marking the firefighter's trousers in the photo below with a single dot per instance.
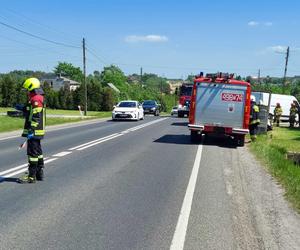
253 128
35 157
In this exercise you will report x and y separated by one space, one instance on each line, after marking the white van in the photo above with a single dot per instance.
284 100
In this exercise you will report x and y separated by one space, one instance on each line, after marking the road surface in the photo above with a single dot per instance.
141 185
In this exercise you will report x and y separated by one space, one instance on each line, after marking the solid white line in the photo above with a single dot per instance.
99 139
13 169
182 224
62 154
96 143
24 169
10 137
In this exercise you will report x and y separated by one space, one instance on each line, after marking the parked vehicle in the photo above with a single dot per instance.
185 93
285 101
151 107
220 105
174 110
128 110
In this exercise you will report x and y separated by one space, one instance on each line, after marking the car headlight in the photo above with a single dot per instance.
153 108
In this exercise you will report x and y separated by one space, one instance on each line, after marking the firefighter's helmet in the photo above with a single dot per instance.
252 98
31 84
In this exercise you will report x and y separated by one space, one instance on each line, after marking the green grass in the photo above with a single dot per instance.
9 123
271 150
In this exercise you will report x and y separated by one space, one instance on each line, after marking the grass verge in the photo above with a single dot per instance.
271 150
9 123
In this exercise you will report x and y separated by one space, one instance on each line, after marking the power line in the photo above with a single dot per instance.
44 26
45 51
38 37
95 55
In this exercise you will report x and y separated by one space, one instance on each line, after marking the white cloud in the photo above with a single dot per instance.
278 48
268 24
147 38
253 23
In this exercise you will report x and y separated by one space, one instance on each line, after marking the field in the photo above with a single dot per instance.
271 150
10 123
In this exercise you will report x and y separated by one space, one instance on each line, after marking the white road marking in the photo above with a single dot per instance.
112 136
61 154
13 169
9 137
96 143
99 139
23 168
182 224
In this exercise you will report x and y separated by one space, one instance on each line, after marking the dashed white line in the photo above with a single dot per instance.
23 168
182 224
99 139
93 144
61 154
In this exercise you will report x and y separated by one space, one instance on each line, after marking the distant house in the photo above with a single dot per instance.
58 82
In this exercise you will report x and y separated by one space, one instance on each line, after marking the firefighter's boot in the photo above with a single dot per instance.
40 170
29 177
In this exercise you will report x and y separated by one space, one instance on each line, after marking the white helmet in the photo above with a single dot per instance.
252 98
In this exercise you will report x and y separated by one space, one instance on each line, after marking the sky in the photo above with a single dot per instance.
170 38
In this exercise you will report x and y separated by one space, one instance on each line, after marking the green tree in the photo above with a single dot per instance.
108 99
114 75
8 91
69 70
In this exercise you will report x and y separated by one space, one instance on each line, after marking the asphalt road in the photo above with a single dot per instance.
141 185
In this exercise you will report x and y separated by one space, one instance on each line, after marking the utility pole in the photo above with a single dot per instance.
84 77
258 77
141 73
286 64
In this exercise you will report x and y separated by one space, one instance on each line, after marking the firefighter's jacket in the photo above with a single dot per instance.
254 114
293 111
277 111
34 113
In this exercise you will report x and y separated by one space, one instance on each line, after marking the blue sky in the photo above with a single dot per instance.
170 38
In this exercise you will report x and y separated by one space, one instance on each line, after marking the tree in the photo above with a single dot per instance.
114 75
70 71
8 91
108 99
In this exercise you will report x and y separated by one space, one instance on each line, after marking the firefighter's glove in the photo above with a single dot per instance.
19 107
30 135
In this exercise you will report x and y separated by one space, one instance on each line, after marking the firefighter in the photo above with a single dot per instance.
277 114
254 120
293 113
298 108
34 130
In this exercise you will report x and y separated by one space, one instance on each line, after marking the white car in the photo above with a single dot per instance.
174 110
128 110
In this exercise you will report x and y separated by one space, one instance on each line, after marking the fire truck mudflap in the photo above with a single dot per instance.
220 105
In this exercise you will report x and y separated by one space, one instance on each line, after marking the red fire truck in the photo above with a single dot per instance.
185 93
220 105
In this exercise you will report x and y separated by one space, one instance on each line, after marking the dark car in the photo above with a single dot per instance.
151 107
